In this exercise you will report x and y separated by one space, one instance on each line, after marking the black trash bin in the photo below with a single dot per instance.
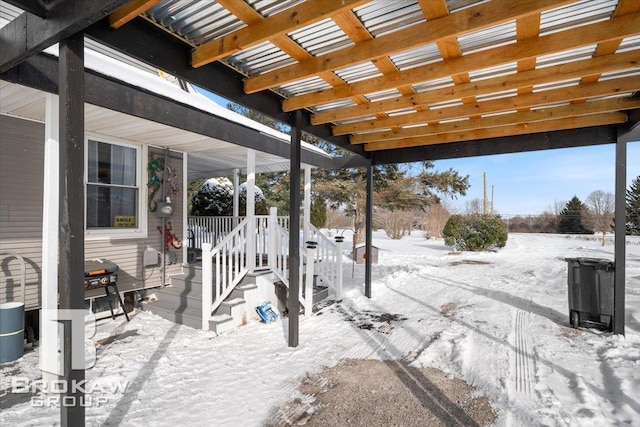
591 283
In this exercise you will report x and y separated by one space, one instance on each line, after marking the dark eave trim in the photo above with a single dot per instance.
505 145
41 72
28 34
33 7
147 43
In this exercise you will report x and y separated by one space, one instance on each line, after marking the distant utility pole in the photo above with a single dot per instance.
484 200
492 200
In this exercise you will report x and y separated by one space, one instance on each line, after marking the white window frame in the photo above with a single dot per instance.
119 233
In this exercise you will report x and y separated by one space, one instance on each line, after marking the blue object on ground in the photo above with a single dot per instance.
266 312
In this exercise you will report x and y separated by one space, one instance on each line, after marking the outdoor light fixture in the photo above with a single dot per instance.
165 209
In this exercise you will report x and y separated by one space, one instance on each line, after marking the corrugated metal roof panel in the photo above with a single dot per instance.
433 84
458 5
556 85
416 57
259 59
360 119
358 72
379 96
271 7
445 104
194 20
321 38
383 16
620 74
498 35
300 87
334 105
565 57
497 95
576 14
629 43
488 73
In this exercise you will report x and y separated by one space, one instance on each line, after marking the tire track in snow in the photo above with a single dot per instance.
523 364
524 358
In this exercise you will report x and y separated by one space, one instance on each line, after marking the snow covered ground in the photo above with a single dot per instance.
498 320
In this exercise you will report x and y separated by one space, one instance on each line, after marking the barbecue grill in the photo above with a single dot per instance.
102 273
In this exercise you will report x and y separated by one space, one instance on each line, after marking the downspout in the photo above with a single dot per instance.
163 266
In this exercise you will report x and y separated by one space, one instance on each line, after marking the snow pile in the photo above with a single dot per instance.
498 320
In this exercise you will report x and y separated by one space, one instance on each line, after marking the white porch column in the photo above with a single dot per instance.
50 361
185 208
236 194
307 203
251 209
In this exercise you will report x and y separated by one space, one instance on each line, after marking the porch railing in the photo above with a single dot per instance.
212 229
223 267
327 261
228 261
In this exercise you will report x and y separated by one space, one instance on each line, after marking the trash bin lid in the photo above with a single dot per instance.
94 267
598 262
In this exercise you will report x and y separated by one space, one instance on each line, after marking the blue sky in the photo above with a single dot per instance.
529 183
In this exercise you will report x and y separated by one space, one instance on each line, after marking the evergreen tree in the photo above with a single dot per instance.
318 213
633 207
571 218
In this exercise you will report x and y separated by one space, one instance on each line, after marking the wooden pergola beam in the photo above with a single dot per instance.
276 25
129 11
523 117
614 28
571 70
498 132
468 20
501 105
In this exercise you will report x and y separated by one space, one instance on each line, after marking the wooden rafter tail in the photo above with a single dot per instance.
129 11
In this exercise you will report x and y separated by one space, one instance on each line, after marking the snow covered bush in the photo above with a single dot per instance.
214 198
475 232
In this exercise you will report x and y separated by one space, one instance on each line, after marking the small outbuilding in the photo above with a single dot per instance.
360 251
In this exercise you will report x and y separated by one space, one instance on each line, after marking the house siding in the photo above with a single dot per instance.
21 178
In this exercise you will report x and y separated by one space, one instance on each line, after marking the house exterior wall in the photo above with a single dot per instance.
21 206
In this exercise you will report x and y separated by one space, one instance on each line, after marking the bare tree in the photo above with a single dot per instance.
435 219
601 208
474 207
396 224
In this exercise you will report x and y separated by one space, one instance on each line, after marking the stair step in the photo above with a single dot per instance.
179 295
192 273
236 308
173 316
188 307
220 323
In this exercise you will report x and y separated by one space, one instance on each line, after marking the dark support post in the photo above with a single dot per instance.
620 237
368 232
71 236
294 229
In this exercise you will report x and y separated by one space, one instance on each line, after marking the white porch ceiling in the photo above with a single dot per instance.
208 157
